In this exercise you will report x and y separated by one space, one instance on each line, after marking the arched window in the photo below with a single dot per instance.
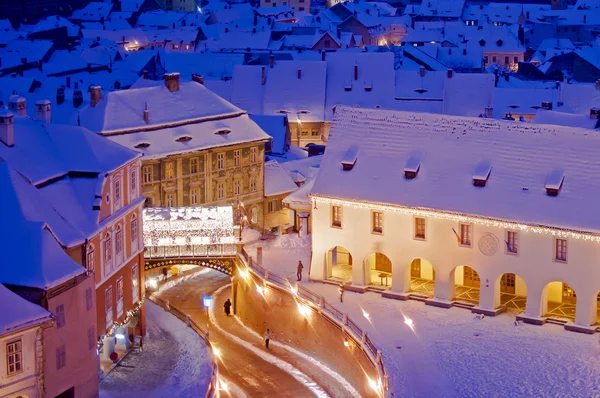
133 183
119 244
91 258
134 233
117 194
254 215
107 253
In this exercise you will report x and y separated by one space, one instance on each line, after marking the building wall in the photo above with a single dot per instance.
80 368
534 263
178 190
305 133
24 383
279 218
501 59
297 5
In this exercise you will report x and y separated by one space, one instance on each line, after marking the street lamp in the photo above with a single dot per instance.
207 302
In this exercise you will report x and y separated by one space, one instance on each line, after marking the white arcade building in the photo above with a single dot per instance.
485 214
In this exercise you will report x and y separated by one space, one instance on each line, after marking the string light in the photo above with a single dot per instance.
489 222
113 330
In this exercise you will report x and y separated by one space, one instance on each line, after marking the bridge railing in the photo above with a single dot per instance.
178 251
319 304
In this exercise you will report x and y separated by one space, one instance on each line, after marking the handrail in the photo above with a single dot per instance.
213 385
178 251
329 311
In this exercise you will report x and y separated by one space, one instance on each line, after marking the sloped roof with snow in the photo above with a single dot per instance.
565 119
276 127
522 157
521 100
95 11
468 94
580 98
247 91
442 8
19 313
124 110
277 180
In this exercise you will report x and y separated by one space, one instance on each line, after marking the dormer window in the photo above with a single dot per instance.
481 174
348 86
412 168
185 138
420 90
499 42
368 86
222 132
349 159
554 183
142 145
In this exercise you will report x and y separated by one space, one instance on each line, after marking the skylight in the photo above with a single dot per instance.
413 165
554 182
481 173
350 157
185 138
142 145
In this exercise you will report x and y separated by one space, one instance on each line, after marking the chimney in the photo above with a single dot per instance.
547 105
146 114
595 113
262 75
339 33
69 81
95 95
172 81
450 71
489 112
145 74
42 111
271 61
322 55
7 127
355 71
77 98
60 95
422 71
598 84
198 79
17 105
299 73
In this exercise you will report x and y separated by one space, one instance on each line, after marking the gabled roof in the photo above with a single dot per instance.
95 11
523 156
19 313
277 180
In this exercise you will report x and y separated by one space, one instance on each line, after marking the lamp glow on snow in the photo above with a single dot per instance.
216 352
120 336
375 385
304 309
223 386
346 342
366 315
260 290
244 274
152 283
409 322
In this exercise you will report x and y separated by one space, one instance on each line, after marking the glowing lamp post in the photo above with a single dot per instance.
207 302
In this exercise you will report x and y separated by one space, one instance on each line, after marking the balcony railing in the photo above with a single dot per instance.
215 250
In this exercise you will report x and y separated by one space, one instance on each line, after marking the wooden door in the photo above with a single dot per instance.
415 268
569 296
471 278
507 283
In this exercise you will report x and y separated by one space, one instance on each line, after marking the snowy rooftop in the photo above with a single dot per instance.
522 156
565 119
124 110
275 126
19 312
222 213
277 180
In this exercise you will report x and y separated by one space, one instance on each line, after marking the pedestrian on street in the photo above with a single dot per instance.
299 271
341 292
165 273
267 336
227 307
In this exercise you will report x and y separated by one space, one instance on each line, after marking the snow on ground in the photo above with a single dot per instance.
175 362
451 354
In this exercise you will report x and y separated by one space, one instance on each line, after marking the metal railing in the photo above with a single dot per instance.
213 385
328 310
216 250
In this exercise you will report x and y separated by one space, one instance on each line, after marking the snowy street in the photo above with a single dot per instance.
175 362
451 354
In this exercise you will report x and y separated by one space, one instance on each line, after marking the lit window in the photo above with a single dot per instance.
194 165
119 297
117 193
194 196
254 215
14 357
315 133
561 250
107 254
419 228
169 171
119 244
236 157
135 283
147 170
91 259
89 299
108 306
220 191
336 216
377 222
512 242
133 183
274 205
220 161
253 153
465 234
237 187
134 229
253 184
170 200
61 357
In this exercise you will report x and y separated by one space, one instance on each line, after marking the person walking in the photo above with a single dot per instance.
227 307
267 336
341 292
299 271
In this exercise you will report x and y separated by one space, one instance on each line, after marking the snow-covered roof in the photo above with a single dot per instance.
19 313
120 111
17 51
565 119
276 127
223 213
50 23
521 100
209 65
300 197
580 98
95 11
247 91
230 130
237 40
277 180
442 8
159 19
522 155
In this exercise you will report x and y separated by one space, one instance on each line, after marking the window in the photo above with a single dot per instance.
194 196
107 254
274 205
465 234
301 8
60 316
220 191
135 283
194 165
304 132
512 242
119 244
119 297
14 357
61 357
220 161
485 60
253 184
516 60
561 250
91 338
254 215
169 171
236 157
175 46
170 200
253 155
237 185
147 174
91 259
336 216
117 193
506 60
108 306
133 182
494 59
134 232
377 222
315 133
419 228
89 299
